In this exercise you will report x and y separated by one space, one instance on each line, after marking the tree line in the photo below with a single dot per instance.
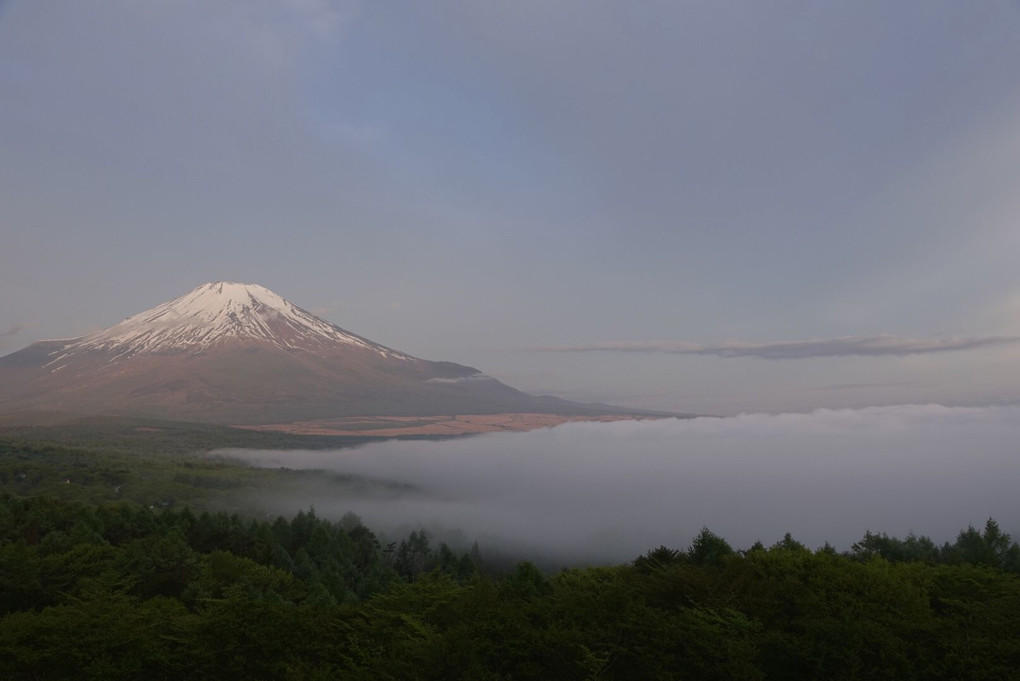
118 591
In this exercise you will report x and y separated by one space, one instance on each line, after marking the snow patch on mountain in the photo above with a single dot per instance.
462 379
222 311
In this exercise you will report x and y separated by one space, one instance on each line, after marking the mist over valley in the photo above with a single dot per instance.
606 492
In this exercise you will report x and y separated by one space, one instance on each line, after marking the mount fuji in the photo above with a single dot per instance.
239 354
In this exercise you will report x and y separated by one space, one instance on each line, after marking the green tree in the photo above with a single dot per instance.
708 548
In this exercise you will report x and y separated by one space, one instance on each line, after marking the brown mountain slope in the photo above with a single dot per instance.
240 354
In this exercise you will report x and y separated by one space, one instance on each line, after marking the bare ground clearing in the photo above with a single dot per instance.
396 426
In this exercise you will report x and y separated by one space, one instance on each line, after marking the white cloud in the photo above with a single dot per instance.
12 331
848 346
612 491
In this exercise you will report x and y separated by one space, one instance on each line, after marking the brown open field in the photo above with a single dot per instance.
395 426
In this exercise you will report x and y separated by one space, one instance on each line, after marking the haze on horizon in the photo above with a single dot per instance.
681 206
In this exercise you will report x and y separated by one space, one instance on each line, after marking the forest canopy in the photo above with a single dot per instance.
100 588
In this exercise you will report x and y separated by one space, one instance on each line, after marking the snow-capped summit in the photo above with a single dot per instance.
223 311
240 354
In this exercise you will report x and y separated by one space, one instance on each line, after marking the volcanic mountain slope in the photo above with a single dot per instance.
240 354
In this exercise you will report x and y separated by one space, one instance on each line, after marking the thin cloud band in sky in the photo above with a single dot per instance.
849 346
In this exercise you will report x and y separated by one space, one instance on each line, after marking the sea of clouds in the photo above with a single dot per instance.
604 492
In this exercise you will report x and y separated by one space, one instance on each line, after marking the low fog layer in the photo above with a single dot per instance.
610 492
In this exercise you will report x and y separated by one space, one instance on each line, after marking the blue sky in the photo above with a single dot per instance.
556 193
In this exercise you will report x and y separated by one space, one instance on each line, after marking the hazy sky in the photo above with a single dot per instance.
699 206
613 491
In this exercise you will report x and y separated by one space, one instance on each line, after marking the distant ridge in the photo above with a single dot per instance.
240 354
